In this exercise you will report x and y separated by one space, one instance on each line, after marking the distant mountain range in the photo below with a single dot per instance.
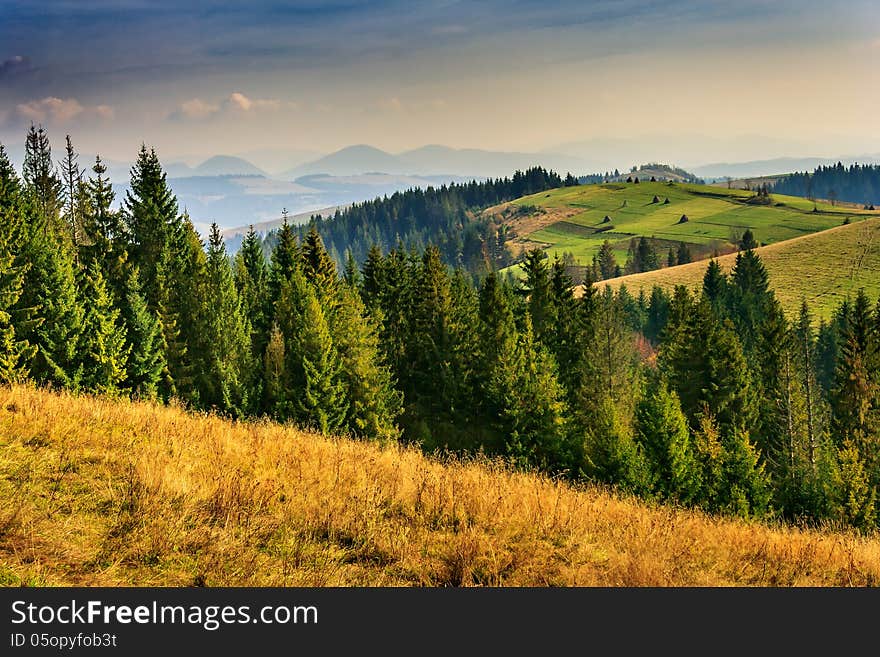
433 160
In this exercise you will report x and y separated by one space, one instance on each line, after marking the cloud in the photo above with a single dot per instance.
52 109
14 66
237 101
197 109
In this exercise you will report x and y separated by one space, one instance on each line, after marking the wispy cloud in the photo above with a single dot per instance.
59 111
197 109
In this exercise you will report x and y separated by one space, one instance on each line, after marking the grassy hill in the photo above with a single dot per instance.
101 492
823 268
573 219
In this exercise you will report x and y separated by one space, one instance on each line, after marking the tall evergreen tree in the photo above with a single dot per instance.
322 403
72 194
144 339
662 431
318 267
15 353
40 178
251 281
102 349
10 185
224 363
151 219
102 236
373 402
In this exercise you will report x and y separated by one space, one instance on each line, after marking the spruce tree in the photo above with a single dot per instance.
103 231
10 185
318 268
284 261
530 404
683 255
251 281
72 194
151 220
536 288
715 286
144 339
40 178
662 431
611 455
50 308
224 362
373 402
102 349
322 402
15 353
703 362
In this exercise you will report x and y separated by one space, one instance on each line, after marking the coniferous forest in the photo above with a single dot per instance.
714 400
855 183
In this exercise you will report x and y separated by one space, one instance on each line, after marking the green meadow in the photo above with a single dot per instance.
716 218
822 269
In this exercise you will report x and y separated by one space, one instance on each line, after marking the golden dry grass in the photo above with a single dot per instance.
822 268
100 492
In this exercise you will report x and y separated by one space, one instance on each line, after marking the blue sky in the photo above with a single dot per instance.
197 78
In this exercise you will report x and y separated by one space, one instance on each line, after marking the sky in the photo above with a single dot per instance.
684 81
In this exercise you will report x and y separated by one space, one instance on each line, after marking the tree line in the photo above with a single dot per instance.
714 400
855 183
446 216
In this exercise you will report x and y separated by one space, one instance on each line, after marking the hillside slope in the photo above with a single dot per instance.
577 220
823 268
100 492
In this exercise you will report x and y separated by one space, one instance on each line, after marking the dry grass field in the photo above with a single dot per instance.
101 492
822 268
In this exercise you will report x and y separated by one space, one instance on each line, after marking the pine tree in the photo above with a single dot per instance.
715 286
224 362
747 487
103 350
683 256
151 221
662 431
10 185
373 279
251 282
274 374
536 287
49 308
103 232
40 179
72 194
318 267
374 403
144 339
611 455
322 403
15 354
530 406
855 497
284 261
704 364
606 262
856 411
351 275
186 307
750 300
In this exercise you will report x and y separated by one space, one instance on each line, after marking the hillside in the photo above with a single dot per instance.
823 268
102 492
573 219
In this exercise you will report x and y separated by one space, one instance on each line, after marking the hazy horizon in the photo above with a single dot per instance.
614 82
